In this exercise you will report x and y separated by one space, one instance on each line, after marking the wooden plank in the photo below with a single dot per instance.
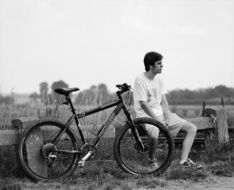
8 137
11 136
202 122
196 140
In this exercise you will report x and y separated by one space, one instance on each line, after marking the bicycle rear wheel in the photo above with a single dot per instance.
132 159
41 156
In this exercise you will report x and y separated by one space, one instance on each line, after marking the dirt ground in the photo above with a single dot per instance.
210 183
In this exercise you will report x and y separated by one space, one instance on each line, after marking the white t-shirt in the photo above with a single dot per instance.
150 91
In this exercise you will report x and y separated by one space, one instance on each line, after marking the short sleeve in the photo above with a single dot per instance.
139 93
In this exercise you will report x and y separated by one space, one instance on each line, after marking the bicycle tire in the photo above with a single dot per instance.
35 139
131 160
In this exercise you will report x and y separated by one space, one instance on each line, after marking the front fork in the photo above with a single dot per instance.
133 128
136 135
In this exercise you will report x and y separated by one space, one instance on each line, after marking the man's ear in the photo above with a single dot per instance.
151 66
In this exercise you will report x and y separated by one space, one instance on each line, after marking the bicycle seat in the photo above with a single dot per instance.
65 91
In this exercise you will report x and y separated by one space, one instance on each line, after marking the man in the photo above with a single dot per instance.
150 101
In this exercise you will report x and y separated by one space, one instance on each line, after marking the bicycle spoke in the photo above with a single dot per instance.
38 153
131 158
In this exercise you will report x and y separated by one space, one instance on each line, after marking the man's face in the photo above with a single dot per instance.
157 67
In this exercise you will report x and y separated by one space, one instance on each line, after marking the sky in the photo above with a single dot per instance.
89 42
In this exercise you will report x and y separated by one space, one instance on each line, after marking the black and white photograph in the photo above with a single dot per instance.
116 94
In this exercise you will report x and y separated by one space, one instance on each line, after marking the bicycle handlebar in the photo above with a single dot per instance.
123 87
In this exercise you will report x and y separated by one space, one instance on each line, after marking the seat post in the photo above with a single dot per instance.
71 104
76 118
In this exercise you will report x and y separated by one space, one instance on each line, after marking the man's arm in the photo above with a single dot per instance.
165 106
144 105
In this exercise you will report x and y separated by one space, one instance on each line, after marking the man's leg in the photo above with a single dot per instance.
191 131
176 124
152 147
153 133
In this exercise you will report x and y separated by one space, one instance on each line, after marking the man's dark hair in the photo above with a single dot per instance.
150 59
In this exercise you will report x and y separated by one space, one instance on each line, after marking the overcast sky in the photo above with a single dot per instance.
90 42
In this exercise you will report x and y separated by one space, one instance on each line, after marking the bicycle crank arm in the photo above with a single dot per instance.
82 161
68 151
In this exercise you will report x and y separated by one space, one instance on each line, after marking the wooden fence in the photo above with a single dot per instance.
220 128
217 124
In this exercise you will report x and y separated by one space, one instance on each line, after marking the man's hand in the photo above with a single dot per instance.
148 110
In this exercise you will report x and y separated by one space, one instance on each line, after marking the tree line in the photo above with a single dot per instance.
210 95
94 95
99 94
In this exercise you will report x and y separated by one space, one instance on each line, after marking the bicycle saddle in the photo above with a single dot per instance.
65 91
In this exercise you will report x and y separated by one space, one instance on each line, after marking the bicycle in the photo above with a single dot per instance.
60 152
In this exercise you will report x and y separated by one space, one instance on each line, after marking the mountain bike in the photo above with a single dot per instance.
60 151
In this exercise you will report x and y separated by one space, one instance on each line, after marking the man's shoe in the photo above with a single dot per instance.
190 163
153 164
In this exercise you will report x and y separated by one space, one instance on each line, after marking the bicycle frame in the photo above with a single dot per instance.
76 116
50 143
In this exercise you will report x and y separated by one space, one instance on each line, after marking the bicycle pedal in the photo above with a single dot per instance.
81 164
52 156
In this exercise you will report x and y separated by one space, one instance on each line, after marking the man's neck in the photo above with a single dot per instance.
149 75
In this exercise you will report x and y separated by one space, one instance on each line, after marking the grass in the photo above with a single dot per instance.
176 172
105 174
151 182
9 184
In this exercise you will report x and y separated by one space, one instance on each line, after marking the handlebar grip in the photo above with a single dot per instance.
123 87
118 85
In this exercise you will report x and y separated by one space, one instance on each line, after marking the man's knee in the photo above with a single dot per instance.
153 133
189 128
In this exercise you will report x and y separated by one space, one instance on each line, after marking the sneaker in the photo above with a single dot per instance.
153 164
190 163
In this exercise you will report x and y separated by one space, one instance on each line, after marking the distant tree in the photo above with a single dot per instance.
95 95
222 90
87 97
79 98
58 99
211 95
44 92
33 96
103 93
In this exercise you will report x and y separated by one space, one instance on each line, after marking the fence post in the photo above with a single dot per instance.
221 129
22 123
33 145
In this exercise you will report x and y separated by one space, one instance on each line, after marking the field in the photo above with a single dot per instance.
103 173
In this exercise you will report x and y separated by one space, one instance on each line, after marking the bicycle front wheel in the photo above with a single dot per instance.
45 150
132 159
